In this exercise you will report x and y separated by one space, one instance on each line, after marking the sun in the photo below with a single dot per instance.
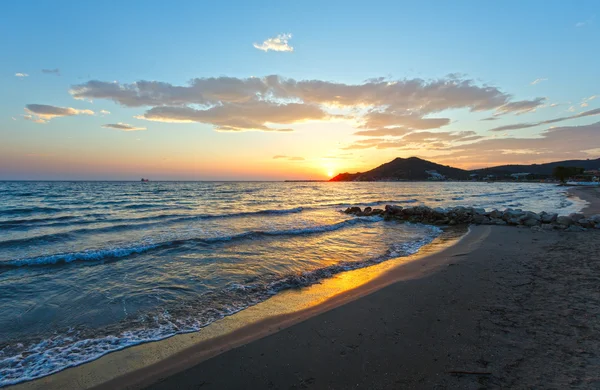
330 174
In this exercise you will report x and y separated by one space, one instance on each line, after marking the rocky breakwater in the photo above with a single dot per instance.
469 215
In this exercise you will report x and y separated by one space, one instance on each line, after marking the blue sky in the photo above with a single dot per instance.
505 45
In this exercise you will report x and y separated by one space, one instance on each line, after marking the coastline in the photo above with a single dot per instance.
589 194
518 309
182 361
121 369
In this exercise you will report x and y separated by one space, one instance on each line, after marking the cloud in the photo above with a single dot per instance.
491 118
270 103
289 158
585 22
517 126
553 144
278 43
537 81
51 71
417 140
520 107
21 75
104 112
123 127
41 113
384 131
239 117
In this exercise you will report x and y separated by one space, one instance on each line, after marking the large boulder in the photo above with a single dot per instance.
394 210
353 210
576 216
564 220
548 217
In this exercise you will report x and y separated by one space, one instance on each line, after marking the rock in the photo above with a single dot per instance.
576 216
377 212
547 226
531 222
536 229
481 219
548 217
586 223
595 218
367 211
394 210
495 214
597 226
565 221
479 211
575 228
353 210
500 222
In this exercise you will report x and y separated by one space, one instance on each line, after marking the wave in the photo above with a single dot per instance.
72 348
28 210
116 253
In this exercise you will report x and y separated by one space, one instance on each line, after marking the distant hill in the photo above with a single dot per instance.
414 168
538 169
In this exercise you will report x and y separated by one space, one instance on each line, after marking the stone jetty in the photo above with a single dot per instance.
468 215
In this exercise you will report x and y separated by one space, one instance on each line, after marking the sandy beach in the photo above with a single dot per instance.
520 310
502 307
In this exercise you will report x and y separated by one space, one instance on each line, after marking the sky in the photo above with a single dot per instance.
114 90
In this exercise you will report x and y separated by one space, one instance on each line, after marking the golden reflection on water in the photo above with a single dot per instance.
285 303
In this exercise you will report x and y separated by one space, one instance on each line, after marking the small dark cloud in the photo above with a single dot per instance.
289 158
52 71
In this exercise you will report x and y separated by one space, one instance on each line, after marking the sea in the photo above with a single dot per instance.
87 268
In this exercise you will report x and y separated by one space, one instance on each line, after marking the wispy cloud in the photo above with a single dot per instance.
278 43
123 127
21 74
520 107
289 158
585 22
104 112
517 126
52 71
537 81
42 113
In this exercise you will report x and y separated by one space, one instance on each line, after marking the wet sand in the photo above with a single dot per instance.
590 195
522 309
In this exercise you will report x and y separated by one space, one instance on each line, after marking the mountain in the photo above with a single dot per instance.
412 168
538 169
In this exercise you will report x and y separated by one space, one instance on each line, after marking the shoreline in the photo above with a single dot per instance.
589 194
282 310
171 357
519 309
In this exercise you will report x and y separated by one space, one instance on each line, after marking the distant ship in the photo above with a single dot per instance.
145 180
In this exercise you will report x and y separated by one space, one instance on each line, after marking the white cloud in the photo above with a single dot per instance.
42 113
104 112
21 75
278 43
537 81
123 127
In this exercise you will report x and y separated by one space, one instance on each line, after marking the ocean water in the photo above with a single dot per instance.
87 268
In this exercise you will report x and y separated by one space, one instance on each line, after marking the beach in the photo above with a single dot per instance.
520 310
501 307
